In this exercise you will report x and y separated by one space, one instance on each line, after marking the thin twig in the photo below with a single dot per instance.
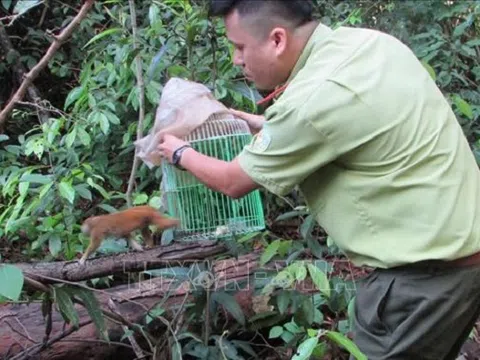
42 17
92 289
141 96
25 336
136 348
213 41
99 341
51 108
36 284
27 353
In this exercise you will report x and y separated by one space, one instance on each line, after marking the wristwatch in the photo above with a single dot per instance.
177 155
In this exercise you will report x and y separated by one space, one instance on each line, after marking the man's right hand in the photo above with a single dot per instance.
255 122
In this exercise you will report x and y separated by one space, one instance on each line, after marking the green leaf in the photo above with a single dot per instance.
102 35
83 191
230 304
248 237
320 351
70 138
284 248
474 42
44 190
140 199
99 188
283 299
319 279
22 6
287 336
227 347
314 246
291 214
293 328
351 311
72 96
306 312
463 106
345 342
307 226
305 349
187 334
245 346
127 333
275 332
112 117
103 121
36 146
269 252
3 137
430 70
36 178
176 351
154 313
155 201
67 191
92 102
460 29
301 273
153 12
6 4
23 188
11 281
93 308
65 306
54 244
108 208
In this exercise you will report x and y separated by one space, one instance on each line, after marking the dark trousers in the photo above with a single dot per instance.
416 313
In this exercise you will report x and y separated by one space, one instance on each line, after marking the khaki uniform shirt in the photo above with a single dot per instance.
375 148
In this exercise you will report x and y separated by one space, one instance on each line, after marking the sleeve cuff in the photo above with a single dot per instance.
258 178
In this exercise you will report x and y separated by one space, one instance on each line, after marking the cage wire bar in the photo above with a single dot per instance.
204 213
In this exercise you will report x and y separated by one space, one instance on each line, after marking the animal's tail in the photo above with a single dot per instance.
163 222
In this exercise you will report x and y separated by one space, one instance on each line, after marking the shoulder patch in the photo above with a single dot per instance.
261 141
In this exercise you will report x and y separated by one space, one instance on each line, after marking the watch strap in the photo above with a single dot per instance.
177 155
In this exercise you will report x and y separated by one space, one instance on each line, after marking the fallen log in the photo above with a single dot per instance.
22 326
176 254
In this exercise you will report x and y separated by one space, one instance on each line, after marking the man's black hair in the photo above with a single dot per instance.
296 12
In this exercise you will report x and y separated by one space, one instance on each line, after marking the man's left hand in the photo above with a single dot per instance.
168 145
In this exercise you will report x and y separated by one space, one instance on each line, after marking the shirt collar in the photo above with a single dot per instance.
318 37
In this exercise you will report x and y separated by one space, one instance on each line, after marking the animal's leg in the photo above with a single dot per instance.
133 244
95 241
147 237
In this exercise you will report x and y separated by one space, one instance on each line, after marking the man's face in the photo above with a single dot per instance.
259 56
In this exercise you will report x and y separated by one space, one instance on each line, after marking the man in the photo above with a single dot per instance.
375 148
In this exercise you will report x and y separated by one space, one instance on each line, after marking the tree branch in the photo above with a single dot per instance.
19 70
32 74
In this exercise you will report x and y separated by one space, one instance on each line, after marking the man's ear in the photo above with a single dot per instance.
279 38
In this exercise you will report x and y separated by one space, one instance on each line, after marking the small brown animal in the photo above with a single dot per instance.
122 224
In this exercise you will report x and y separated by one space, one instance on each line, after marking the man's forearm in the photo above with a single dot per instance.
226 177
208 170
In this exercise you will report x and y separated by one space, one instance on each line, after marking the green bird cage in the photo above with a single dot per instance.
204 213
